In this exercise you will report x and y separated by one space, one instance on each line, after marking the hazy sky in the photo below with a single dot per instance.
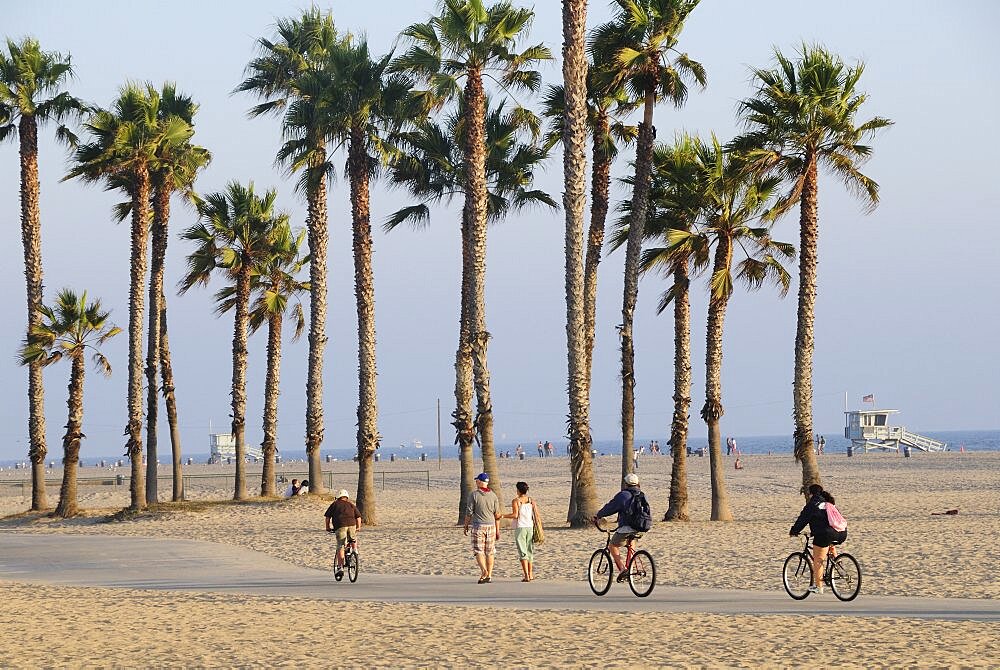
906 307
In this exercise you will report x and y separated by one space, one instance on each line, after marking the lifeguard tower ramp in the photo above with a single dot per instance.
870 429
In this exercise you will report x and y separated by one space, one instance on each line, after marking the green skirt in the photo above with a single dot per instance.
525 545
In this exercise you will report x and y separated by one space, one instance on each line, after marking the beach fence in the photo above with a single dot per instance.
203 481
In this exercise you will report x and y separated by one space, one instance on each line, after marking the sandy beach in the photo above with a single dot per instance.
888 500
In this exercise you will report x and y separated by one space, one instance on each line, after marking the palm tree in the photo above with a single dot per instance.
70 329
274 283
803 116
470 41
735 201
604 101
431 167
292 78
30 83
373 105
236 235
174 169
643 38
583 501
675 202
124 142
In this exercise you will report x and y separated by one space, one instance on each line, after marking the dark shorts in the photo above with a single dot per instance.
828 537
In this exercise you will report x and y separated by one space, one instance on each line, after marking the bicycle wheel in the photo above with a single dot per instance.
796 575
599 572
352 567
642 574
845 577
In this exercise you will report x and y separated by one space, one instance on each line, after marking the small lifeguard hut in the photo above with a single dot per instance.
870 429
223 446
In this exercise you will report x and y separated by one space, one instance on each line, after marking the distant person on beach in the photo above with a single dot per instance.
304 489
344 519
619 505
541 450
293 489
482 511
824 536
524 511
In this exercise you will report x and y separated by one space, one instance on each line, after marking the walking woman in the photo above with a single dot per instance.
524 511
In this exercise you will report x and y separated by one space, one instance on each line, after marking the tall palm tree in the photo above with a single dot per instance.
675 202
291 77
174 169
467 40
735 202
583 502
275 284
431 167
30 95
236 236
803 115
643 39
373 105
124 141
605 101
71 328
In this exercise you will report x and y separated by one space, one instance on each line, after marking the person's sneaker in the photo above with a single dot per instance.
816 589
622 576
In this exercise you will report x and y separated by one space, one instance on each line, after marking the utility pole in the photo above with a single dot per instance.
439 431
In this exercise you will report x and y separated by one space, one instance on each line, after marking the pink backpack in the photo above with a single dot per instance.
835 518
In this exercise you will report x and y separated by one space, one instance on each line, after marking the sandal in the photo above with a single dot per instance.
483 580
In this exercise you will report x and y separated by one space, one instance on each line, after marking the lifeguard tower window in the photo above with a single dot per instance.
880 419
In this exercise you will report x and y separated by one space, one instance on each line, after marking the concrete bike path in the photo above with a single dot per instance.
188 565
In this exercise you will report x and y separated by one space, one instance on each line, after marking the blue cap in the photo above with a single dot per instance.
483 477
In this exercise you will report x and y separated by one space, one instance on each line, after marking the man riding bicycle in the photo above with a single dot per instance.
343 518
624 533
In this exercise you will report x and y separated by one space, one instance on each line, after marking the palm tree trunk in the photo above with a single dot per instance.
678 507
475 209
161 211
600 190
140 235
318 236
240 378
271 391
804 330
170 400
31 238
71 441
578 345
713 410
364 291
633 250
465 429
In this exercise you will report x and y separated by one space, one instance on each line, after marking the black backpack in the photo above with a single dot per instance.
637 515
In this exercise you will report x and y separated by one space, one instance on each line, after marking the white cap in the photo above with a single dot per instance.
631 479
343 494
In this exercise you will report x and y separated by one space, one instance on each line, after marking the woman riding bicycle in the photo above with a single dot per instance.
624 532
824 536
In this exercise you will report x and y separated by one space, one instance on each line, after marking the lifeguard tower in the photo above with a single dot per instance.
223 446
870 429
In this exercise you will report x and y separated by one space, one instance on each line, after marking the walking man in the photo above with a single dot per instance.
482 512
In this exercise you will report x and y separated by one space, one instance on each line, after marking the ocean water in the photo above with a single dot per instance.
970 440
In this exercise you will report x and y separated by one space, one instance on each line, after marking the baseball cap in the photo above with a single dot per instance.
483 477
343 494
632 479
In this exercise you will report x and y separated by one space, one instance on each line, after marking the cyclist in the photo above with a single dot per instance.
824 537
344 519
624 533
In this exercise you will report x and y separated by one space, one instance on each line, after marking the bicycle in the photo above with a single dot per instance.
639 566
842 573
352 561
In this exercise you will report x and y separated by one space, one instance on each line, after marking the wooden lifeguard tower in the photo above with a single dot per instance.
870 429
223 447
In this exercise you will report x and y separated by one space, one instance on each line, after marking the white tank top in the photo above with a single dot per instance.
525 515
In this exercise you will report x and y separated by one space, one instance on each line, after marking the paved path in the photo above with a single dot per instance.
188 565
